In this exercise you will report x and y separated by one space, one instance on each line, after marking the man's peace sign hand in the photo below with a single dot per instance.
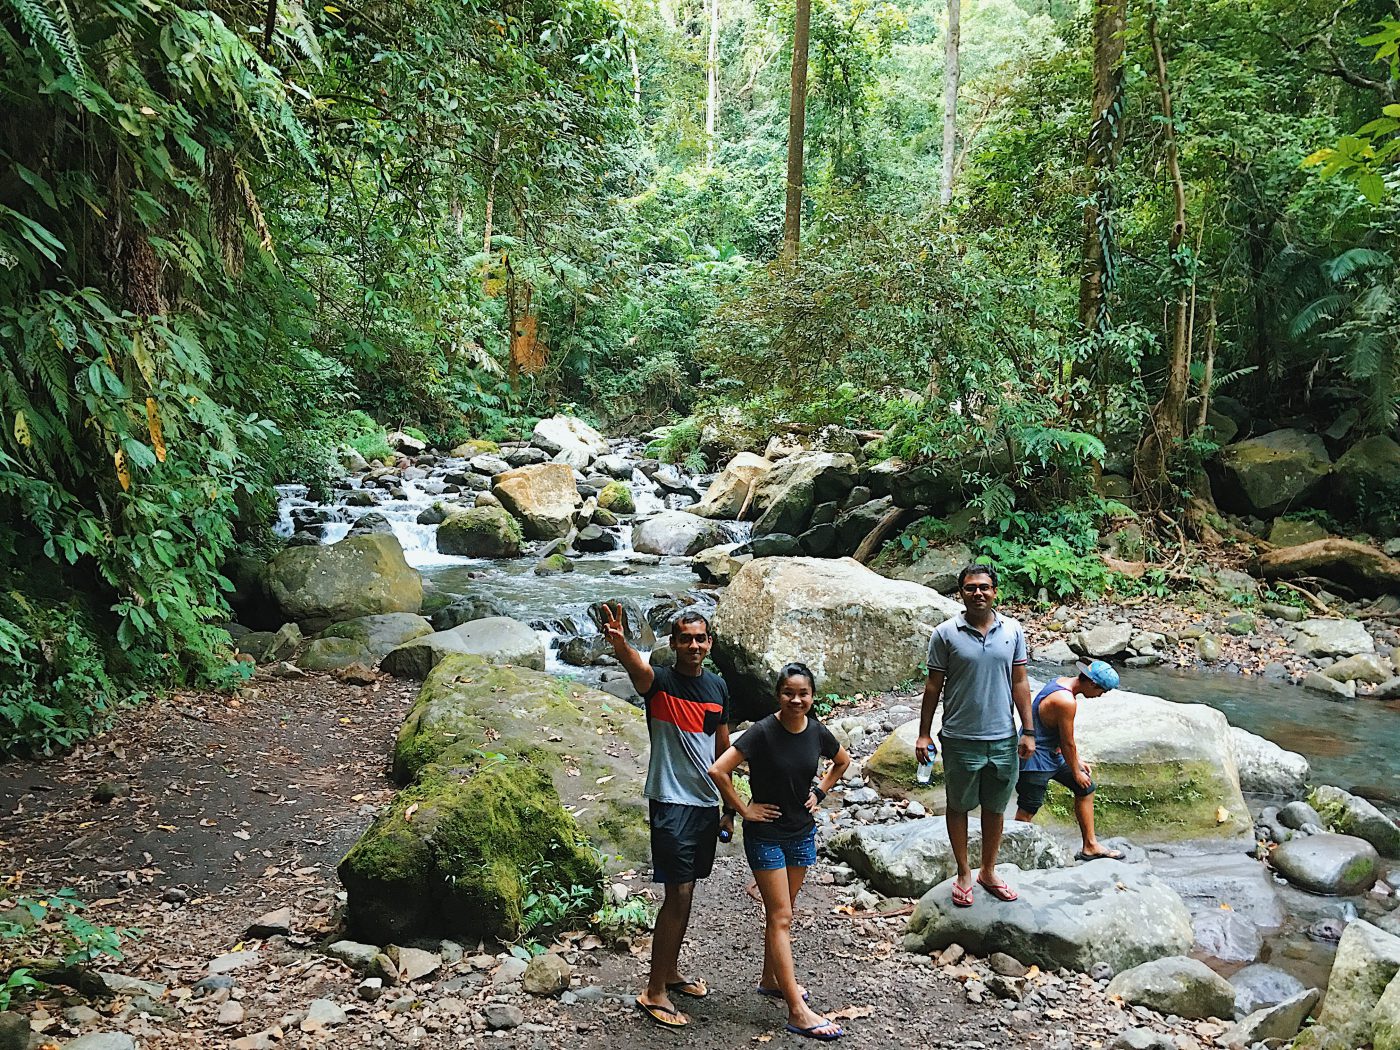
612 625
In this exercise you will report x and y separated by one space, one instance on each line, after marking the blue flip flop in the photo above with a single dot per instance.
773 993
815 1032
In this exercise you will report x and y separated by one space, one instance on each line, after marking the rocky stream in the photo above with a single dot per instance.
1256 815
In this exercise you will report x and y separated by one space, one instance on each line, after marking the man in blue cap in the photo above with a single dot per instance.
1056 756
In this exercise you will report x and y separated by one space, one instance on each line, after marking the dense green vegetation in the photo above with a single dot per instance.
228 248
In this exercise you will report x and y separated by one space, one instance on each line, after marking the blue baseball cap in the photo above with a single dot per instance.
1101 674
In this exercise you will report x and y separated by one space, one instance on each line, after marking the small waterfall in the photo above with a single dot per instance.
644 494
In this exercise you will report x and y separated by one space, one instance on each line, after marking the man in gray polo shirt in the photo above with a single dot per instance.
977 663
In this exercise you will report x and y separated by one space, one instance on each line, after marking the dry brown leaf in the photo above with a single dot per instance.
852 1013
408 813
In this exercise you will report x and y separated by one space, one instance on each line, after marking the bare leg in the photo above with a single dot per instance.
957 838
1084 814
671 922
1021 814
795 876
992 824
777 945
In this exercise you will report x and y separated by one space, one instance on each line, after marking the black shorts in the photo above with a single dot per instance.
683 841
1030 789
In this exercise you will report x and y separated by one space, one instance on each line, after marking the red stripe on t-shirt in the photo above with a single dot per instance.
686 715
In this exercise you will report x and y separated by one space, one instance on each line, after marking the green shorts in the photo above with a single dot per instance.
980 773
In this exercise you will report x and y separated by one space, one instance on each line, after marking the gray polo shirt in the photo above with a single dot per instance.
977 676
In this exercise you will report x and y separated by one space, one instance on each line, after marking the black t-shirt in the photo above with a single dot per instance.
781 768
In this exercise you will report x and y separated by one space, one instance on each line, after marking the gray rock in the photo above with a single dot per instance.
230 1014
1177 985
322 1013
676 532
1208 648
1103 641
1320 683
1316 638
547 974
1297 815
501 1016
370 989
234 961
1280 1021
907 859
14 1031
938 568
413 964
1345 812
1367 961
102 1041
271 924
464 610
121 984
499 639
1107 911
1336 865
1287 613
222 982
1267 769
1363 667
1057 652
1265 475
1262 985
77 1016
353 954
1227 936
1142 1039
511 969
1229 881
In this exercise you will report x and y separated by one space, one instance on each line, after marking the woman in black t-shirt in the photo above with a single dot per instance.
783 752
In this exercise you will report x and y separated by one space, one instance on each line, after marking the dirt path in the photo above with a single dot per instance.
240 806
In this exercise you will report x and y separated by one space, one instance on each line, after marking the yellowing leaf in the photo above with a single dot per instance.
408 813
143 358
153 424
22 434
1221 814
123 475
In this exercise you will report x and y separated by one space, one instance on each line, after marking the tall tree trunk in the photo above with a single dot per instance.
636 78
1208 376
1168 423
950 100
797 128
711 84
1101 158
490 193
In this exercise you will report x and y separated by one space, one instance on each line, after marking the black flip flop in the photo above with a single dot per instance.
695 988
658 1014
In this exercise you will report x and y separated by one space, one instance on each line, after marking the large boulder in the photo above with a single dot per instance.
543 496
891 768
1332 638
938 568
1350 815
458 852
1366 484
783 498
676 532
718 564
359 576
1335 865
1176 985
1105 912
858 631
363 640
1286 532
1102 641
499 639
1367 961
1267 769
480 532
1346 564
1385 1019
569 440
1260 986
1267 475
729 492
591 743
909 858
854 525
1163 770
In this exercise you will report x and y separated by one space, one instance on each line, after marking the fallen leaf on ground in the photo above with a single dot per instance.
852 1013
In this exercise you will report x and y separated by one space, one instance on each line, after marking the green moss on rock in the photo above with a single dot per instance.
480 532
555 563
1161 801
617 498
458 851
467 705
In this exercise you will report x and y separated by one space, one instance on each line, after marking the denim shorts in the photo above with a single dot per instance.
771 856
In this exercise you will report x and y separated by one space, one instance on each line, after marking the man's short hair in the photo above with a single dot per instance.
977 570
689 616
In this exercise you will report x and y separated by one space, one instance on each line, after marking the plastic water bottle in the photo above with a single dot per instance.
925 771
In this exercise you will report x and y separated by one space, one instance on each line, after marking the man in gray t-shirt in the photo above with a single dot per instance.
977 664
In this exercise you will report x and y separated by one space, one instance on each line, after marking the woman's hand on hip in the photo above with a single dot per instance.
761 813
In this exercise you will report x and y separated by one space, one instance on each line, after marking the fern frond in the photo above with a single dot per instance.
1317 311
1354 261
54 28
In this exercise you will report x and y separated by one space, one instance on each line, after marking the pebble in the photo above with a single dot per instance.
501 1016
271 924
233 961
915 809
322 1013
370 989
230 1013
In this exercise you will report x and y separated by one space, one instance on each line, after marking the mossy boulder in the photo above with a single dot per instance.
474 447
1267 475
1366 483
542 496
363 640
1368 960
457 852
480 532
592 744
616 498
499 639
359 576
552 565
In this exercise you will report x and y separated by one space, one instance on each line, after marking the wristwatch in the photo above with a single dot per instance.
1028 732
